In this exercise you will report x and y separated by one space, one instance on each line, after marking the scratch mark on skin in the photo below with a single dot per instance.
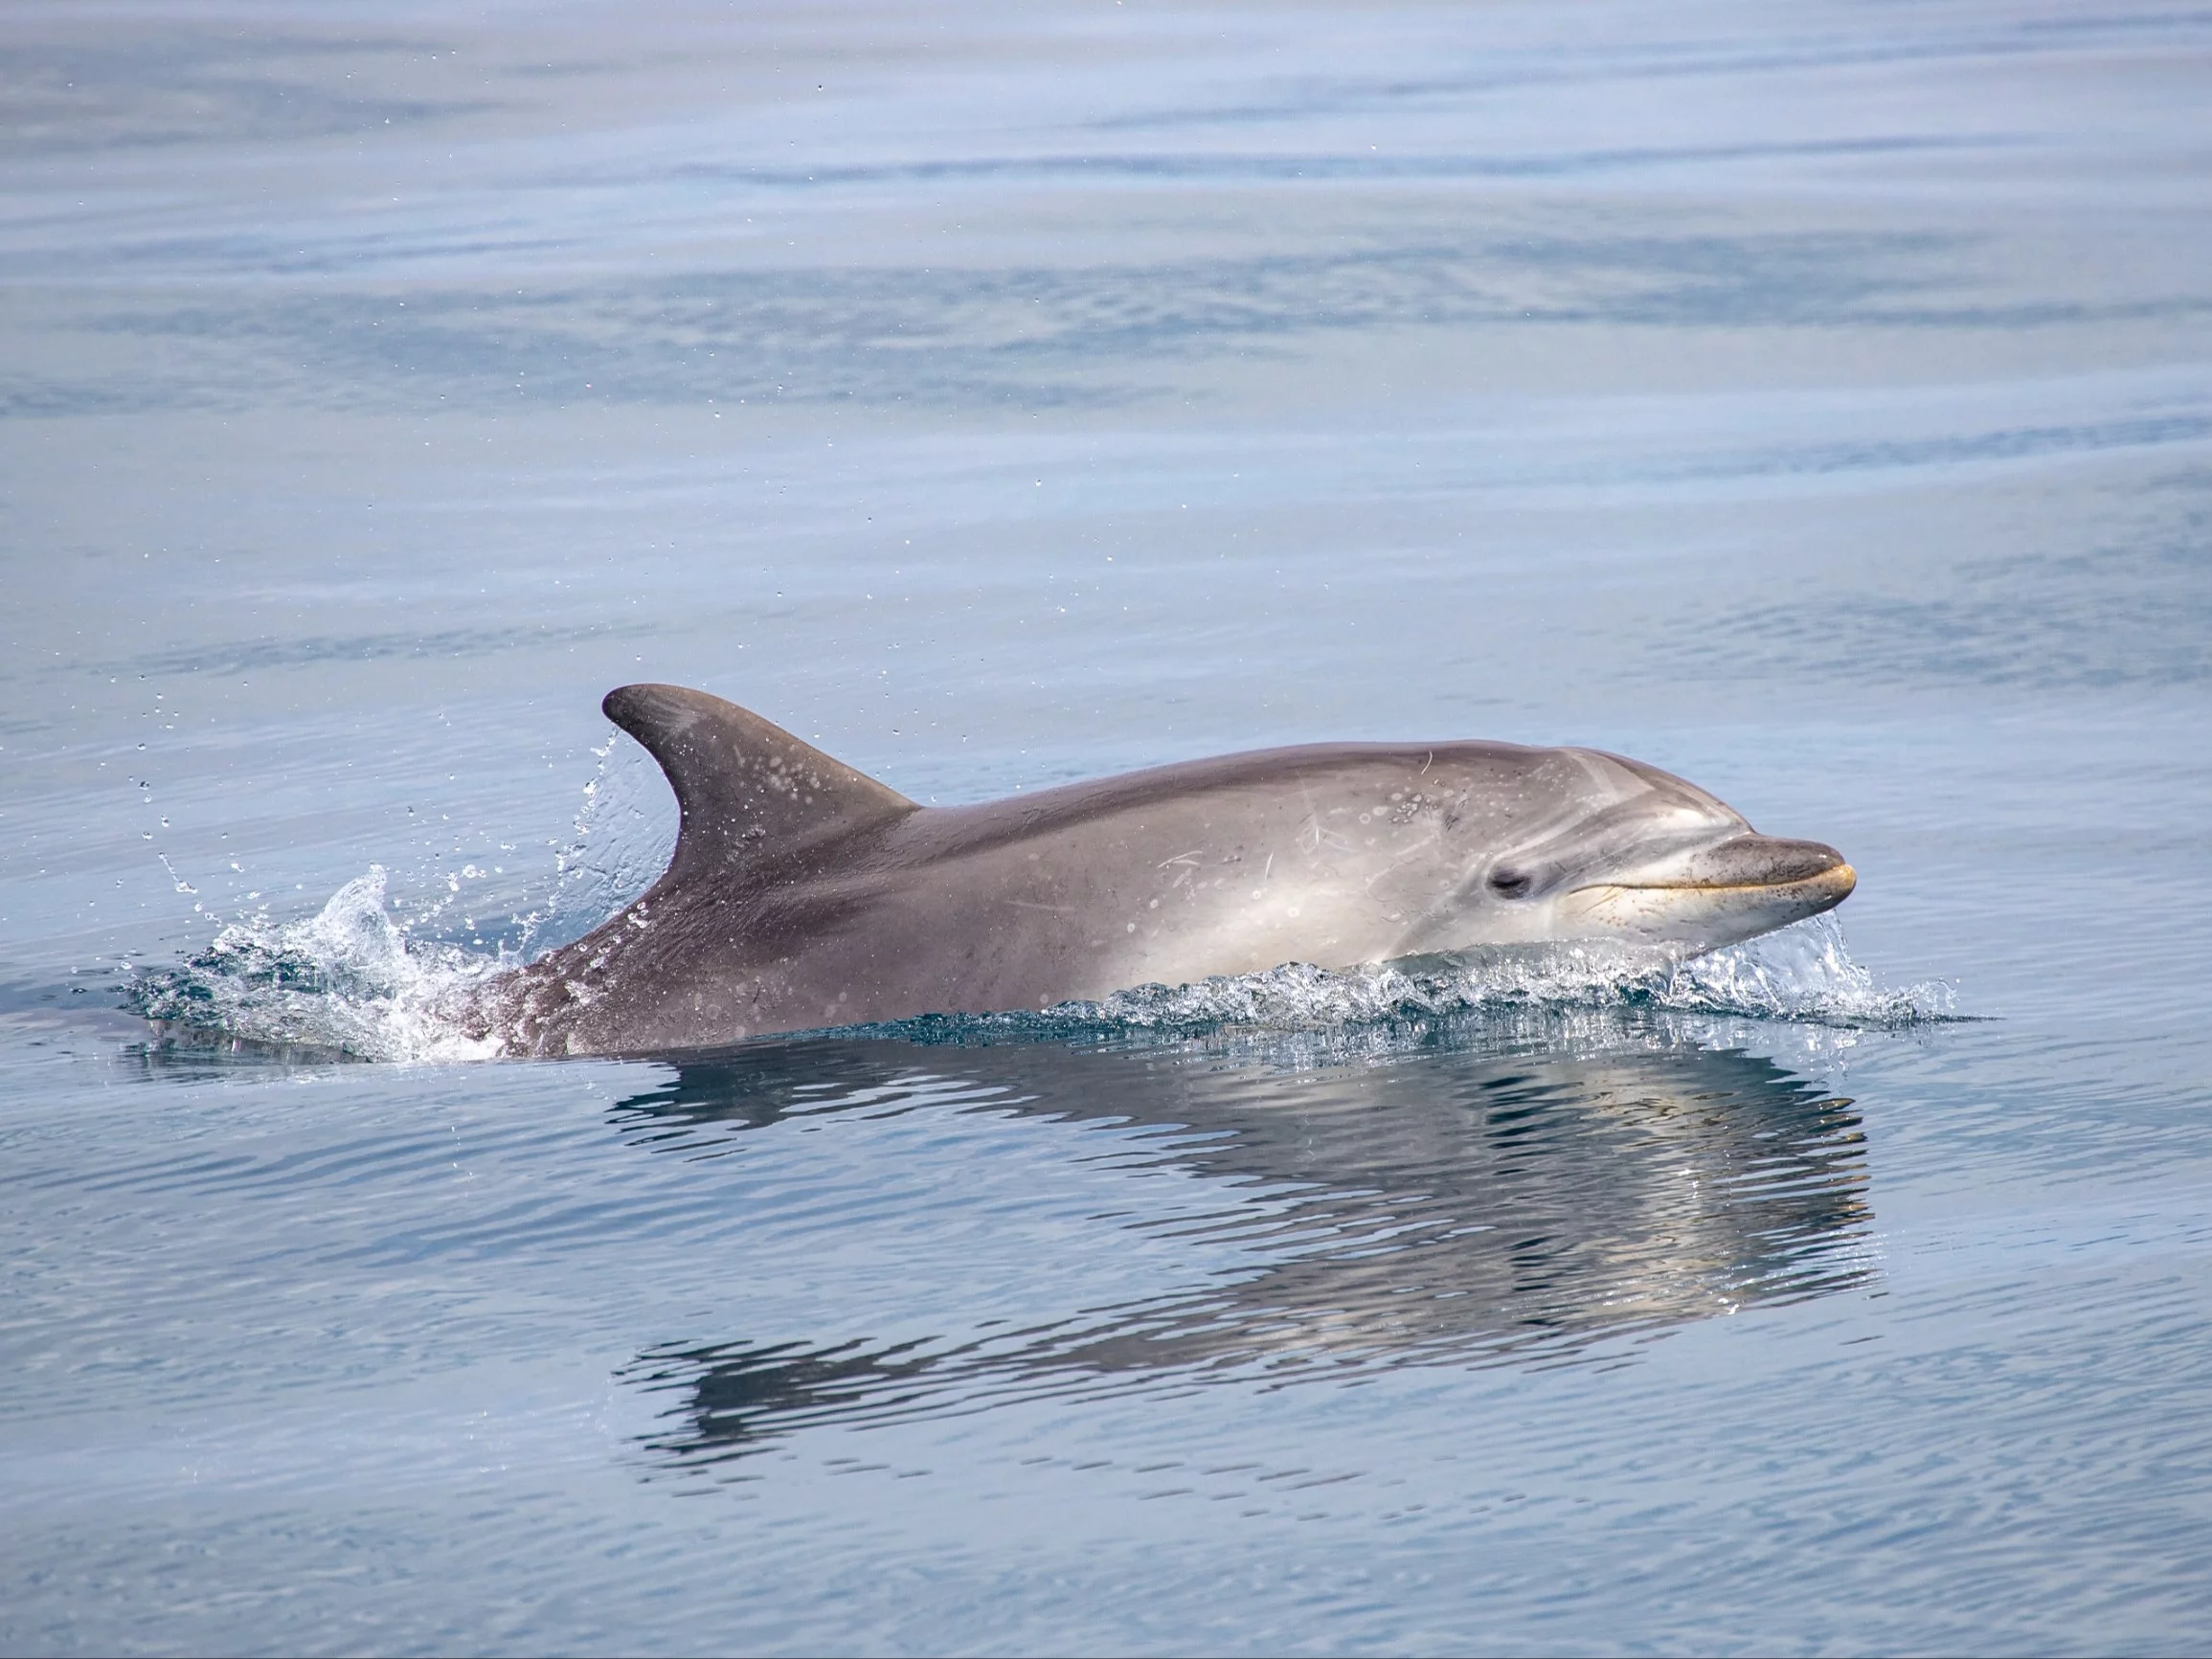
1270 870
1029 904
1188 857
1312 837
1407 854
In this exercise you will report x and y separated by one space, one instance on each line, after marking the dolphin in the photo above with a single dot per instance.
804 895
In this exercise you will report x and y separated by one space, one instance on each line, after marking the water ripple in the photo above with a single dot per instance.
1459 1206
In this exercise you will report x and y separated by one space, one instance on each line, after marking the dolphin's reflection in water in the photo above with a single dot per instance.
1478 1194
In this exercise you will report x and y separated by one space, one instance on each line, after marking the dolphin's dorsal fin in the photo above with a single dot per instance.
748 790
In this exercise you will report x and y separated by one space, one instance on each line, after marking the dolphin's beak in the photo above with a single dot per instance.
1754 861
1718 896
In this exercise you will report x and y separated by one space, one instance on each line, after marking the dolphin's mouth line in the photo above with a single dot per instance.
1839 874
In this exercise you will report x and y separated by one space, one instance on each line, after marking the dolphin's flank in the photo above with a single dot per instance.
803 894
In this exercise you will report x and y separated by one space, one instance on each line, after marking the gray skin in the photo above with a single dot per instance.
803 894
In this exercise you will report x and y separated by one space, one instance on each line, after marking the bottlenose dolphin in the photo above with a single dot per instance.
803 894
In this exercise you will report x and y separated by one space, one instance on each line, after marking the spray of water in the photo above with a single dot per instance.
377 980
348 979
621 839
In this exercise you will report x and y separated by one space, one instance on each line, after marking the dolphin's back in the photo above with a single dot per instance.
1226 782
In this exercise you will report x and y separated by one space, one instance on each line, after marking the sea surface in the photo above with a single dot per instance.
1813 401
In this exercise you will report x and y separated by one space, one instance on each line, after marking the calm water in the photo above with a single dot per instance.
1816 401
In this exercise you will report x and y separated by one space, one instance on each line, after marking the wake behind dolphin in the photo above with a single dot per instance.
803 894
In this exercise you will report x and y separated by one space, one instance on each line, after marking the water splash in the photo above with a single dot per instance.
621 837
349 978
379 979
1803 972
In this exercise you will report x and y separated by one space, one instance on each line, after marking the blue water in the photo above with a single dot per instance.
1815 401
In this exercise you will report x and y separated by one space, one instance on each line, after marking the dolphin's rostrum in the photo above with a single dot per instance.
803 894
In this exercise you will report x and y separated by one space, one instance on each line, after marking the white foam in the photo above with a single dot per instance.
347 978
1802 973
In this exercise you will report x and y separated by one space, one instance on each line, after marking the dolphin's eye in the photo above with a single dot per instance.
1508 883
